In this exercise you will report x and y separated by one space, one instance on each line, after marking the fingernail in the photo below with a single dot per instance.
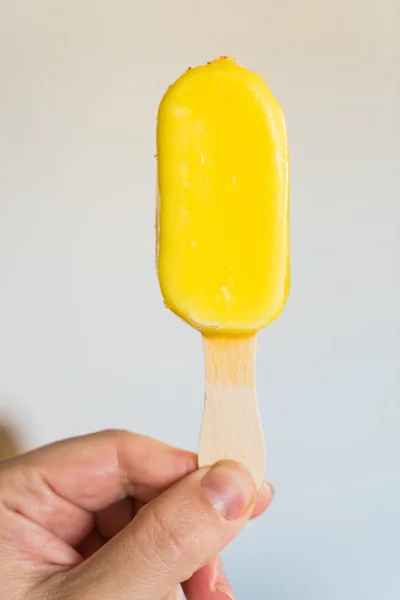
270 491
226 592
222 584
229 488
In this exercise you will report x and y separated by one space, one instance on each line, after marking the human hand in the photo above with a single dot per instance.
119 516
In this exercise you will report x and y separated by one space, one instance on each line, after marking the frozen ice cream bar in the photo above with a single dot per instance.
223 254
223 237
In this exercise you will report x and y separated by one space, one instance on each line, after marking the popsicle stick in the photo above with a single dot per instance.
231 428
175 594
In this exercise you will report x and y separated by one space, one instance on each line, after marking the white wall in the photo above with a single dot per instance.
85 342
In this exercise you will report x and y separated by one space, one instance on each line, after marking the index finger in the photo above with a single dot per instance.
97 470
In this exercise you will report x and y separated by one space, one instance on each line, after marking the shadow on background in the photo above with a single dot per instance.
10 440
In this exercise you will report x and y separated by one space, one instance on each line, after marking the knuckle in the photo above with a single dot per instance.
177 539
119 434
167 539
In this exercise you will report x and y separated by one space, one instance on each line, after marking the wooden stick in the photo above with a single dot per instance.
176 594
231 428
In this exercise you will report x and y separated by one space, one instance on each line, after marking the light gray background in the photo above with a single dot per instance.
85 342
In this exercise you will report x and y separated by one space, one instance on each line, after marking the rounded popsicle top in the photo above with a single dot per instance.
223 210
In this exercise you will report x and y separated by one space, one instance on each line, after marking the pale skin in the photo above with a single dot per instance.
119 516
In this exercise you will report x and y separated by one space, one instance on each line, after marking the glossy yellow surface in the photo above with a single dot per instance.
223 214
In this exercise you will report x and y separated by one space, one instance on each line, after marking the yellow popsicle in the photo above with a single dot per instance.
223 214
223 238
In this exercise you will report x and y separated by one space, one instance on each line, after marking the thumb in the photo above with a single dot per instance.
171 537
